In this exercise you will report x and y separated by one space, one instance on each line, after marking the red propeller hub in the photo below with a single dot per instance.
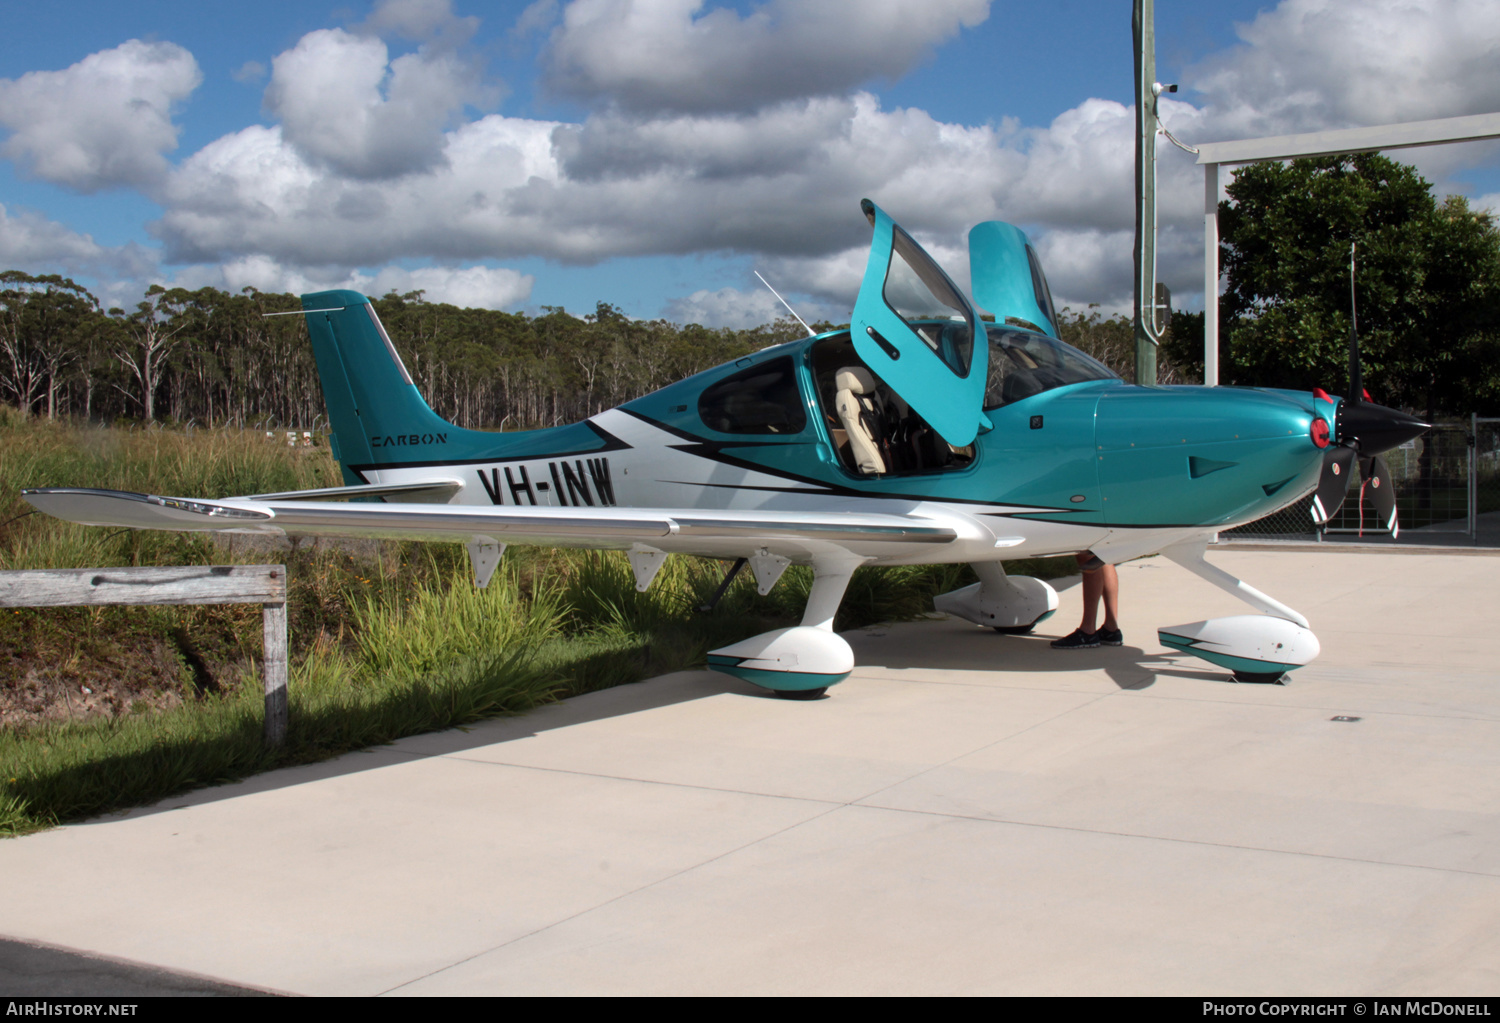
1319 431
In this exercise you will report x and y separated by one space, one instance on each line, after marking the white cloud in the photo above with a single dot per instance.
727 307
670 55
1489 202
537 17
506 188
28 239
251 192
421 19
833 278
103 122
249 73
34 244
1312 64
472 287
343 103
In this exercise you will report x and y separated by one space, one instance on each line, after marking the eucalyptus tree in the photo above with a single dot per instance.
45 323
145 341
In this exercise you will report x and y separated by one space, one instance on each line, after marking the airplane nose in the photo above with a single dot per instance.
1375 428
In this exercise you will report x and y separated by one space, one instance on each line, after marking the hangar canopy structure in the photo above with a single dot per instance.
1213 155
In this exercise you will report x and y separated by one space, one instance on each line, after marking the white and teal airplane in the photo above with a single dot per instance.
920 435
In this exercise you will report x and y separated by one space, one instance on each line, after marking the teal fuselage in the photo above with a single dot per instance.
1093 453
1101 452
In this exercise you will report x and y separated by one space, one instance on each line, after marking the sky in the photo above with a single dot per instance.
653 154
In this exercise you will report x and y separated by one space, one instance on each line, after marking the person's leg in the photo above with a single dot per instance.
1093 589
1109 588
1099 583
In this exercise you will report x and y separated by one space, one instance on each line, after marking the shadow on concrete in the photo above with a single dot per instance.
29 970
955 645
930 645
631 698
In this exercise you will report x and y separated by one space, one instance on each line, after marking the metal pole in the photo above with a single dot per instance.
1473 479
1143 23
1211 275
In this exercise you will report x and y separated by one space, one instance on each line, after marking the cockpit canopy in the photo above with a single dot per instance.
1023 363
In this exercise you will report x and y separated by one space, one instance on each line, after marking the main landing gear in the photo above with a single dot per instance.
1011 605
802 662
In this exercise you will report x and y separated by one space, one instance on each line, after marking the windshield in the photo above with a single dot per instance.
1022 364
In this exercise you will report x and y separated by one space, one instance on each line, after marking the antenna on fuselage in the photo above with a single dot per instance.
810 331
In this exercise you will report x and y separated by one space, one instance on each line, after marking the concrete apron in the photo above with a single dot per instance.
969 814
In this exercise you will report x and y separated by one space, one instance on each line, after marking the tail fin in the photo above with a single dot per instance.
372 403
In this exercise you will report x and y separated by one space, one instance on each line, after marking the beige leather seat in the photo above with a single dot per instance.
857 404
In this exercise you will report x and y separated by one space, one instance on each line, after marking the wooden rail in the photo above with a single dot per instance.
214 584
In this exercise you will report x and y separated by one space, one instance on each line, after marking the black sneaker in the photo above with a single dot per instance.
1111 637
1076 640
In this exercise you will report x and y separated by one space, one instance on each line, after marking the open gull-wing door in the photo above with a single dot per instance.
1007 276
937 368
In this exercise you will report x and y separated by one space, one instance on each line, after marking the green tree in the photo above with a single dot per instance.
146 340
45 324
1427 283
1112 342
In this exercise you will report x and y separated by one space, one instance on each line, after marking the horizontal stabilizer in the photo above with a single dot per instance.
421 491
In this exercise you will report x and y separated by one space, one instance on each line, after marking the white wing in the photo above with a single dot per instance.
712 533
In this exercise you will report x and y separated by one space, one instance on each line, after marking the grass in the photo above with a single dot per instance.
388 639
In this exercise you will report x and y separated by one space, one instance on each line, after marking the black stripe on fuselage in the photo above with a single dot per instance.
713 451
611 443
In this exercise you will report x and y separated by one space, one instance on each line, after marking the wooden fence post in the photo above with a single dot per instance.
274 617
211 584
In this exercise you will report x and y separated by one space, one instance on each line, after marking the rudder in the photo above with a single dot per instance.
372 403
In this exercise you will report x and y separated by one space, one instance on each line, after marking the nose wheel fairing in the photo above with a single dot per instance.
1251 646
1257 648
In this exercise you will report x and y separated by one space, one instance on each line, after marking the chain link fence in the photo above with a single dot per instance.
1447 482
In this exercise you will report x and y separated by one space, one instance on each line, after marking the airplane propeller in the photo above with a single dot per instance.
1333 484
1362 430
1377 481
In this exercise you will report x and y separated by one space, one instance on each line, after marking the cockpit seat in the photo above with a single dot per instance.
859 408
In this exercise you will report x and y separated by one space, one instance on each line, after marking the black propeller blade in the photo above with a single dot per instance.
1377 487
1333 484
